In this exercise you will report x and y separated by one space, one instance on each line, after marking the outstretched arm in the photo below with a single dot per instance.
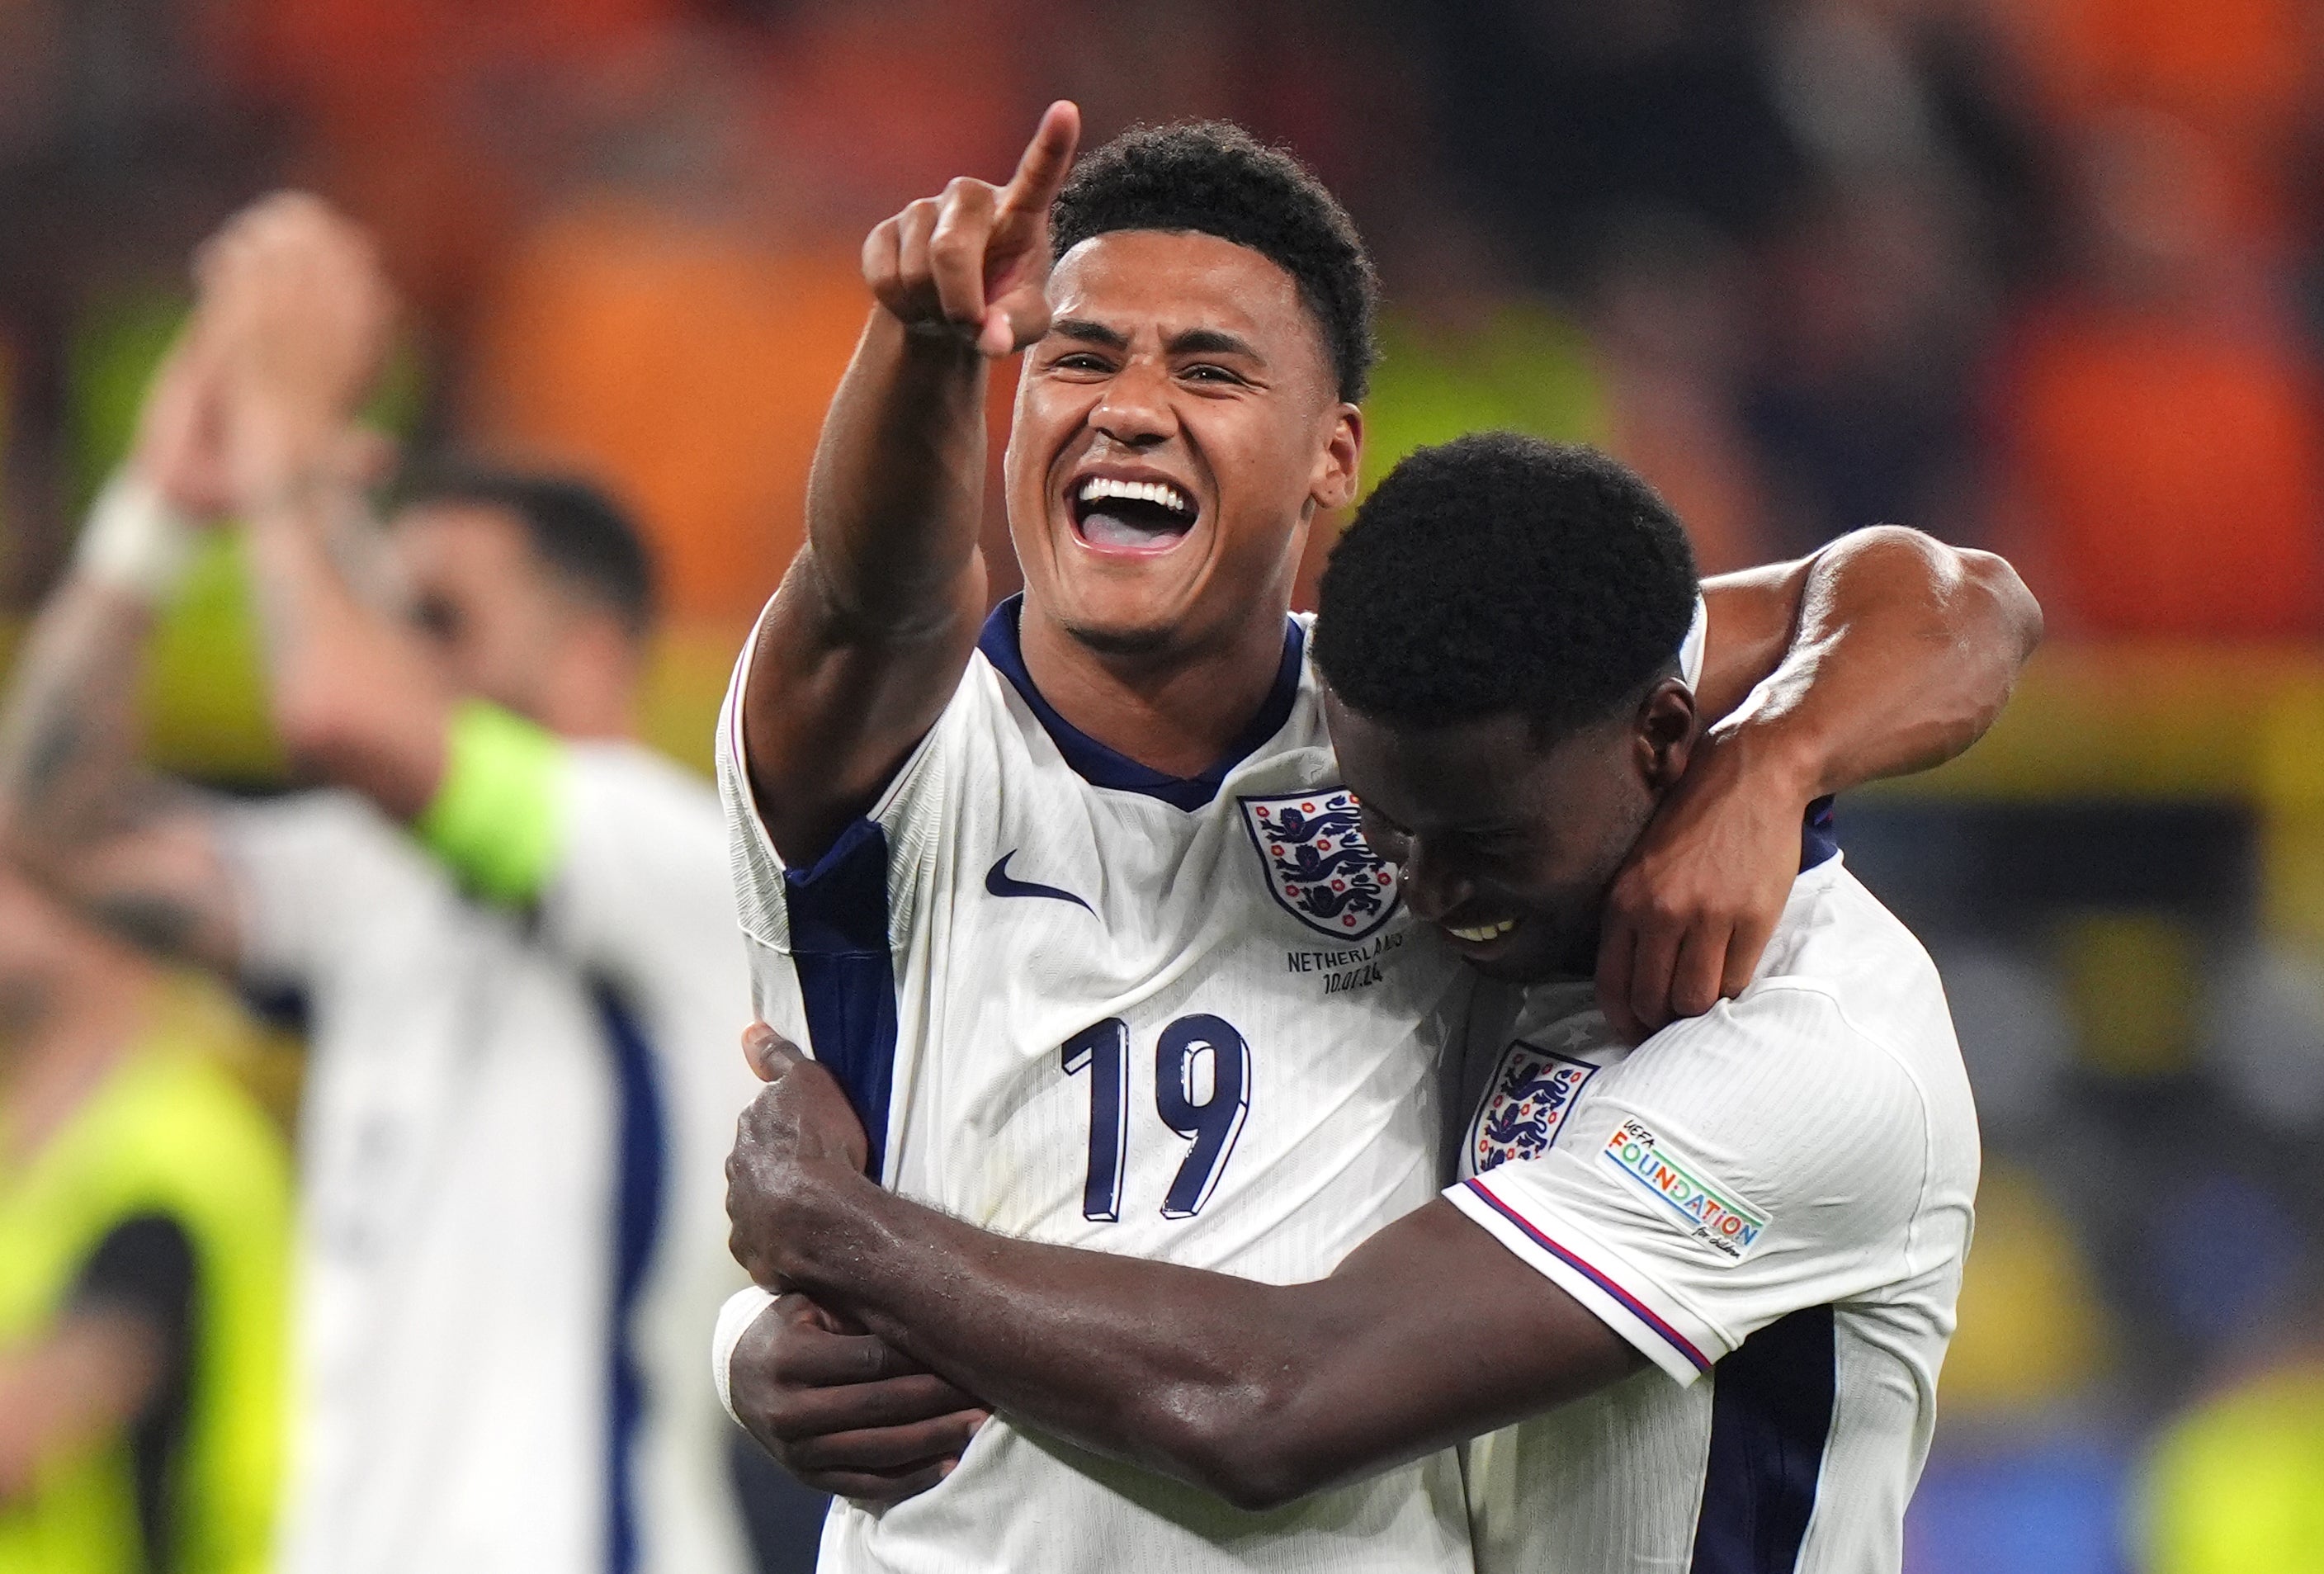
1429 1333
300 313
1885 652
76 809
868 633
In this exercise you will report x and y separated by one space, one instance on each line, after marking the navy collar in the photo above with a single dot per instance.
1101 767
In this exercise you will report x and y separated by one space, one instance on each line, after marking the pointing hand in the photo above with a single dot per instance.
973 264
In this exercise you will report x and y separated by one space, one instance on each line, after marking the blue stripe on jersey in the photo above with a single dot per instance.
1818 841
847 979
641 1150
1101 767
1771 1408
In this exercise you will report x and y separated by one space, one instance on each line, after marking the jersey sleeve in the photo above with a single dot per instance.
308 874
1737 1167
638 878
859 895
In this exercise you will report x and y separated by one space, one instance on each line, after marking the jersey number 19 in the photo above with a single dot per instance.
1202 1091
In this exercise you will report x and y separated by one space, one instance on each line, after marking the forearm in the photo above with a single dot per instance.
69 726
352 697
868 634
896 498
1260 1393
1903 654
1163 1366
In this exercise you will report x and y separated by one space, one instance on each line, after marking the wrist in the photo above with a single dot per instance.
284 460
1776 753
136 540
826 1220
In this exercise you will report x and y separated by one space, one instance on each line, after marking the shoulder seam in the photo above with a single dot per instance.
1897 1058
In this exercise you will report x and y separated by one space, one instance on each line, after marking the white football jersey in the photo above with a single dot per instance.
1079 1002
511 1222
1776 1195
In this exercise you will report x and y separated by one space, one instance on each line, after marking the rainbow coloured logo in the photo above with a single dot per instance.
1708 1211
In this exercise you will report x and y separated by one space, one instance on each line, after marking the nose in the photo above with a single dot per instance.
1432 887
1136 410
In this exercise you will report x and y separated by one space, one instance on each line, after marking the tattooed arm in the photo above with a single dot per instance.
76 809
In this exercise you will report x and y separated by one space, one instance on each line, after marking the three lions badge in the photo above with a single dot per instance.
1318 864
1532 1092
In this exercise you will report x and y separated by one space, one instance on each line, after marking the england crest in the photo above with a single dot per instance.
1531 1094
1318 864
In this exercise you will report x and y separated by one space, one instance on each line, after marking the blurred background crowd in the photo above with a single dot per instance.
2045 276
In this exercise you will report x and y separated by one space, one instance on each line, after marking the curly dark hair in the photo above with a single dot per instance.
1217 179
1499 574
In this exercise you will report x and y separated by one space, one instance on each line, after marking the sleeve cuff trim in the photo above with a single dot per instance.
1638 1308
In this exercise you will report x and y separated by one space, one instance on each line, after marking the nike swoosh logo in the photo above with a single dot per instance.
997 881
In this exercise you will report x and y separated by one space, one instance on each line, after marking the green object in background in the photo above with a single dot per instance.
2237 1486
167 1132
1523 366
498 816
205 682
204 697
119 339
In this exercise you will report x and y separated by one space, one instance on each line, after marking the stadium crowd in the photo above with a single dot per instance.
2047 278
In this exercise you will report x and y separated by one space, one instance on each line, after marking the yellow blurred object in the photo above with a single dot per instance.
2169 722
1524 367
164 1133
2033 1330
203 1015
205 688
2131 985
685 684
2236 1486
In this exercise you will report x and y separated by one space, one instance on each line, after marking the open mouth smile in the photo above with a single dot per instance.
1116 516
1482 934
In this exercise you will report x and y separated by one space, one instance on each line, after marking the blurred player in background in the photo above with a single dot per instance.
1078 903
508 924
144 1227
1775 1195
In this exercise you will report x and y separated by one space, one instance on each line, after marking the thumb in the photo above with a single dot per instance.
769 1052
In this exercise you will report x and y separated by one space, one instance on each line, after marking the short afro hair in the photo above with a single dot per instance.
573 528
1217 179
1498 574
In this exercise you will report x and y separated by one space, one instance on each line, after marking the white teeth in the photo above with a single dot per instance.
1161 493
1491 931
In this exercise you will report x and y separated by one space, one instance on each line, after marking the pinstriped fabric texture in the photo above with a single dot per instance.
1784 1188
1171 1062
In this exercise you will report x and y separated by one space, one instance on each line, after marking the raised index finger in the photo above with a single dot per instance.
1041 172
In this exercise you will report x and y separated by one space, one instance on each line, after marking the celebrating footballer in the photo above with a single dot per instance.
1415 1089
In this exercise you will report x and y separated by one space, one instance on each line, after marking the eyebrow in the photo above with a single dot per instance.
1210 341
1088 332
1192 341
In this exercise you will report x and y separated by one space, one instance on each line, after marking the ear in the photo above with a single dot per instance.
1340 461
1666 732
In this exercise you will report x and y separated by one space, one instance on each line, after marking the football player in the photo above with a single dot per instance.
1074 895
1711 1280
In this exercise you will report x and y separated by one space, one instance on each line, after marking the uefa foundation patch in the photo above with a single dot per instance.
1704 1207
